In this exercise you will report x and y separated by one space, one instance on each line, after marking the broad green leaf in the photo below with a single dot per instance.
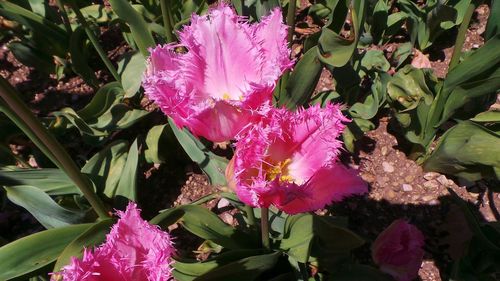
468 150
79 58
249 268
131 69
97 13
205 224
127 187
138 26
93 236
103 99
49 180
185 269
303 80
83 127
477 76
304 229
379 19
369 107
493 24
334 49
50 38
31 56
214 166
157 142
372 60
119 116
36 251
43 207
402 53
487 116
105 168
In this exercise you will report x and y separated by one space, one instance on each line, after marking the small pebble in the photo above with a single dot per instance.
388 168
430 175
428 198
431 184
442 180
391 194
407 187
383 150
409 179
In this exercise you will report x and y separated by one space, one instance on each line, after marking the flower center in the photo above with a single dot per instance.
279 170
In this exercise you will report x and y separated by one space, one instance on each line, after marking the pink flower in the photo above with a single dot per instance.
398 250
289 160
229 69
134 250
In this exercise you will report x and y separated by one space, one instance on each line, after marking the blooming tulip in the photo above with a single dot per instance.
289 160
398 250
134 250
229 70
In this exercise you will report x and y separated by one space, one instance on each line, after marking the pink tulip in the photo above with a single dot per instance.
289 160
398 250
134 250
228 70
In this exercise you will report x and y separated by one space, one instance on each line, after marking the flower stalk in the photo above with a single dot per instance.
95 42
264 224
462 32
167 20
250 215
19 113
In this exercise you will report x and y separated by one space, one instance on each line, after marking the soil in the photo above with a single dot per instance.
399 188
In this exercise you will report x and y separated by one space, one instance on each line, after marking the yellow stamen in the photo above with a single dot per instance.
226 96
281 170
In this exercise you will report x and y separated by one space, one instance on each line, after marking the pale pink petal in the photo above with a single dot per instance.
224 60
398 250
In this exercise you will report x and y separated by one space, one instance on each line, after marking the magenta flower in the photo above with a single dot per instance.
229 69
289 160
398 250
134 250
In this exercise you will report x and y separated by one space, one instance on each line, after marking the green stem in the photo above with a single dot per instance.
20 114
64 15
462 32
250 215
290 20
95 42
264 224
167 20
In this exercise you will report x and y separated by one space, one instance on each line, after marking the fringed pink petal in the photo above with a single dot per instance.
134 250
225 60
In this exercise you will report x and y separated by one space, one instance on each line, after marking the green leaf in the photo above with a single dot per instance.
469 151
249 268
334 49
493 24
79 58
93 236
106 167
119 116
131 68
97 12
379 19
156 141
304 229
36 251
214 166
138 26
487 116
402 53
303 80
30 56
105 97
205 224
185 269
477 76
42 207
83 127
49 37
49 180
127 187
